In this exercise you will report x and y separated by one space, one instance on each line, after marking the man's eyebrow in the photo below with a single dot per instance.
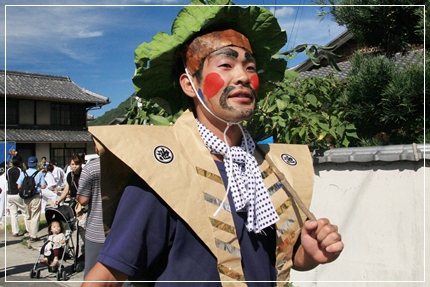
249 57
232 53
227 52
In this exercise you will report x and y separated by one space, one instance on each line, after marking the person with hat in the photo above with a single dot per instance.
199 200
33 205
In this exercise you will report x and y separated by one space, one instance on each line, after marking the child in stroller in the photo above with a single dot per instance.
54 245
62 223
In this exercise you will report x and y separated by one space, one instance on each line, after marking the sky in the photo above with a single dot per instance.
94 44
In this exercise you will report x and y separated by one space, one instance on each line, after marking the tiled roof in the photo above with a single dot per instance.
324 71
45 136
32 85
411 152
402 59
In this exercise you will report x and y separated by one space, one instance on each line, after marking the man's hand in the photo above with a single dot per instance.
320 243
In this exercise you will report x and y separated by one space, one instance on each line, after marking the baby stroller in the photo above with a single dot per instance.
66 216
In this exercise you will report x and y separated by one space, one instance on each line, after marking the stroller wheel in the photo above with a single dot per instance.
35 273
58 276
79 267
32 273
63 275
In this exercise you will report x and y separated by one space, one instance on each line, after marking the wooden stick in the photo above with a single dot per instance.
289 190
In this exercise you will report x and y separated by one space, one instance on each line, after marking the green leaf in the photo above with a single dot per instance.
340 130
302 132
158 120
352 134
324 126
280 104
311 99
271 109
332 132
346 142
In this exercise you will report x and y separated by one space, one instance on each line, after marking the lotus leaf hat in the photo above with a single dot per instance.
160 62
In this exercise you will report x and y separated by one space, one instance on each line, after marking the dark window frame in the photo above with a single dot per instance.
61 114
10 113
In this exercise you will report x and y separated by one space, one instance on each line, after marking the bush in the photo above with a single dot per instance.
386 100
307 111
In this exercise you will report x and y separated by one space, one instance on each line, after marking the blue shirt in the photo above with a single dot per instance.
148 241
39 179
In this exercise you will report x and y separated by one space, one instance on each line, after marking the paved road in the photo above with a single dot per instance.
20 259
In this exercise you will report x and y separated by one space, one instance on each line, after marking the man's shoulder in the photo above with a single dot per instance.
30 171
14 171
92 164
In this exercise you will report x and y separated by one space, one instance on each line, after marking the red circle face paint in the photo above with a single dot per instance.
255 82
212 84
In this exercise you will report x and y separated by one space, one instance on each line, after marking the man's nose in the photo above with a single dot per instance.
241 75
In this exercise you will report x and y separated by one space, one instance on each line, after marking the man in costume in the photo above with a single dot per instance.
200 202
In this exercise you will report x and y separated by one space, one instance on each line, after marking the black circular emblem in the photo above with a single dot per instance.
288 159
163 154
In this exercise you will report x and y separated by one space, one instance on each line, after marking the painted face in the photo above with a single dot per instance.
230 83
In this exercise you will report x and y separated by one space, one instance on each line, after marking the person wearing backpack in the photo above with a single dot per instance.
15 202
32 205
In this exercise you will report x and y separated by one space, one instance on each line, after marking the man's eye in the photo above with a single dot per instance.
225 65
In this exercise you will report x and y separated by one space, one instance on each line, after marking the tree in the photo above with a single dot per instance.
386 100
390 28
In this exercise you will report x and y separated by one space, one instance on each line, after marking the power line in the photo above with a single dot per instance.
298 26
294 23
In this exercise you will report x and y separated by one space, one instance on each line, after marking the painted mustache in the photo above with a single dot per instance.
228 90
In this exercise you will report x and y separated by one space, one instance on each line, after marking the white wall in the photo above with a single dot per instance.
380 210
42 150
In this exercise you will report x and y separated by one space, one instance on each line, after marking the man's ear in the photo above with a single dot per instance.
187 86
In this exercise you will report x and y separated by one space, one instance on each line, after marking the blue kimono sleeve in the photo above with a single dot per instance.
141 232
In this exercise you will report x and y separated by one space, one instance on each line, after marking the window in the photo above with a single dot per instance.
63 155
11 111
60 114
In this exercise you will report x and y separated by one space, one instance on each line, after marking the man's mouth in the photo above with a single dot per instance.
241 94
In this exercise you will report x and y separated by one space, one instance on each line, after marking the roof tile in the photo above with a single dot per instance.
41 86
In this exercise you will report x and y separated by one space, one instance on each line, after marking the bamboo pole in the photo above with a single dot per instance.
286 186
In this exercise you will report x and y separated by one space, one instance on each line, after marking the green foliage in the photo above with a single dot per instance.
306 111
110 115
387 27
147 112
386 100
422 24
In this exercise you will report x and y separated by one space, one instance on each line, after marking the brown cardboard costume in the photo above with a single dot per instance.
177 154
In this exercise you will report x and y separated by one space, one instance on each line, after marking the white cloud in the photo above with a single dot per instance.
85 34
52 27
283 12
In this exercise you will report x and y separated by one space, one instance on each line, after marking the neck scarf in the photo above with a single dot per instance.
244 179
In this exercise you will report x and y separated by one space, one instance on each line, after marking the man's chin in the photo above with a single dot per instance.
244 115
